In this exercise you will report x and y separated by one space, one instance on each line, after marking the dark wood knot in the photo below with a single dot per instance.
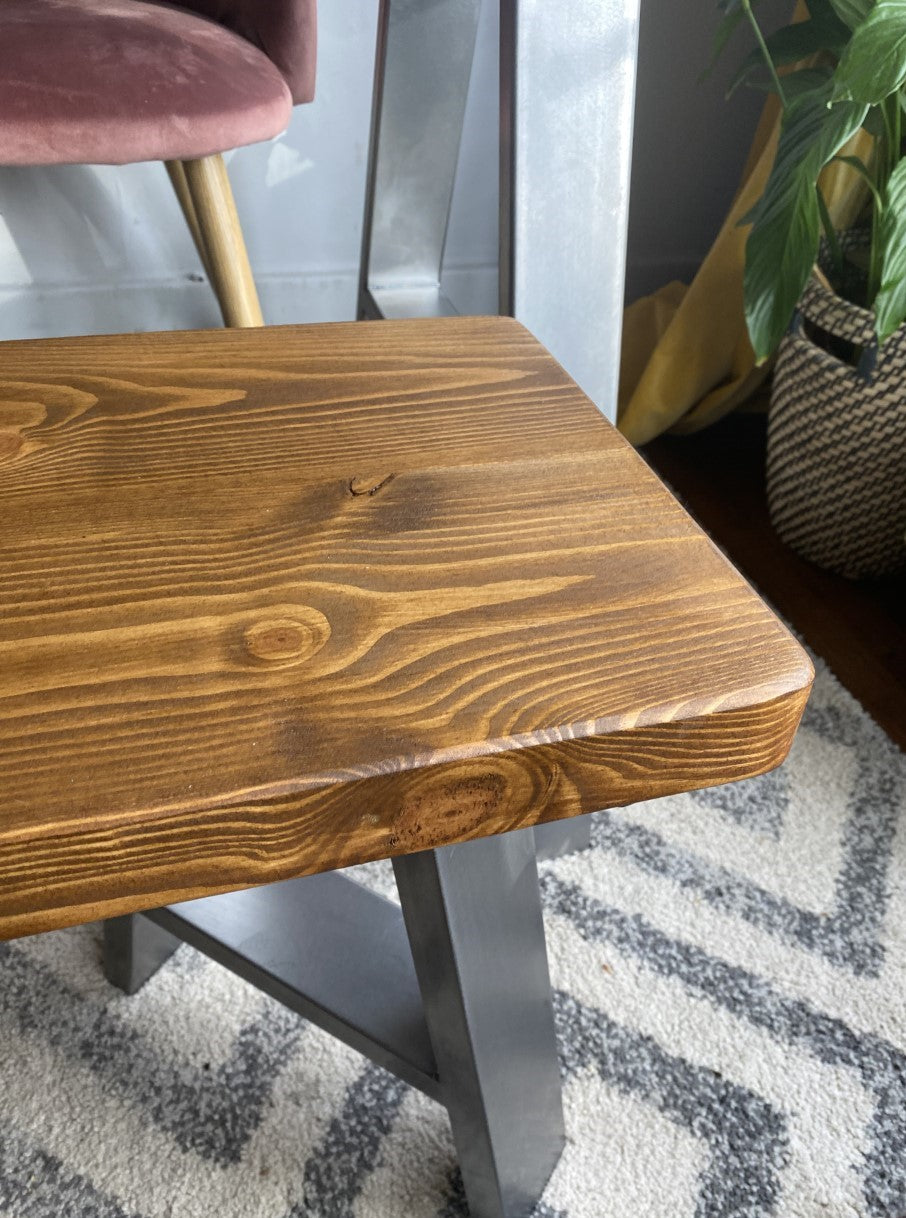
368 484
284 640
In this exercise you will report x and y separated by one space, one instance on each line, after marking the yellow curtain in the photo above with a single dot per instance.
686 356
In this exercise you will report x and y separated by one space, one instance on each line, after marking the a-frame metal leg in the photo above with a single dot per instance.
567 90
134 949
567 83
423 65
473 915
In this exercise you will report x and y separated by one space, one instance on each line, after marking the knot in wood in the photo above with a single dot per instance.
369 484
286 640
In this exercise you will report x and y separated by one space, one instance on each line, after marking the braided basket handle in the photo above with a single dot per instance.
842 319
836 316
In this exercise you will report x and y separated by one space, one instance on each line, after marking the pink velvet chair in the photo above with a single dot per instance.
116 81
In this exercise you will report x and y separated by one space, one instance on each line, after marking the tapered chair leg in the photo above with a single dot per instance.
134 949
217 232
473 916
177 174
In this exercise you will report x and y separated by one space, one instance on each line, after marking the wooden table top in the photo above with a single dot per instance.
277 601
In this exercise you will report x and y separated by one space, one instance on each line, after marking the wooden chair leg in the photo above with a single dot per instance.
177 175
220 236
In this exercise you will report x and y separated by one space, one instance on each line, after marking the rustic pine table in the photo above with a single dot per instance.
275 602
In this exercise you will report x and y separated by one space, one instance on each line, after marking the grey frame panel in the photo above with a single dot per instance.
423 65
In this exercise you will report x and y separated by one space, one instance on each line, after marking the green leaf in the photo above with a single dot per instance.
864 172
874 64
806 80
783 243
795 42
890 305
853 12
825 14
874 123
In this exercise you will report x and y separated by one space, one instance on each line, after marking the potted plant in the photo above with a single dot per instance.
833 305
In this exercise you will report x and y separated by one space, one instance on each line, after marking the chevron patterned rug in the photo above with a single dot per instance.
730 977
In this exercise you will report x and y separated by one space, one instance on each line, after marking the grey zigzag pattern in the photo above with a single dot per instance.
213 1113
333 1176
880 1066
38 1184
745 1137
849 936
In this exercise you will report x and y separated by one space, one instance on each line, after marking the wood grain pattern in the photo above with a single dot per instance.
278 601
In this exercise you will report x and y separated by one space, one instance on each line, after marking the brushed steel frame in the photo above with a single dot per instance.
473 913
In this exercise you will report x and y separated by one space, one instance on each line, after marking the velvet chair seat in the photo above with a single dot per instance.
117 81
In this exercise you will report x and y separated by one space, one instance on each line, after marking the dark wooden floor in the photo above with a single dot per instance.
859 628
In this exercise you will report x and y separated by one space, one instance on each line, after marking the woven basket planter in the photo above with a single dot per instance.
836 465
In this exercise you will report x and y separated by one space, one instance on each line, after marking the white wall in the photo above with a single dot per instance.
87 249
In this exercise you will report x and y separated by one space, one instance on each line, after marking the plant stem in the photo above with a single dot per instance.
887 159
896 149
747 9
874 265
830 233
887 153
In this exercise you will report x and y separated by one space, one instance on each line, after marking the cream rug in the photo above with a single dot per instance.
730 975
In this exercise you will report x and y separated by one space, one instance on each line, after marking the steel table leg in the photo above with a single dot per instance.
567 88
473 915
563 837
422 70
134 949
484 1042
